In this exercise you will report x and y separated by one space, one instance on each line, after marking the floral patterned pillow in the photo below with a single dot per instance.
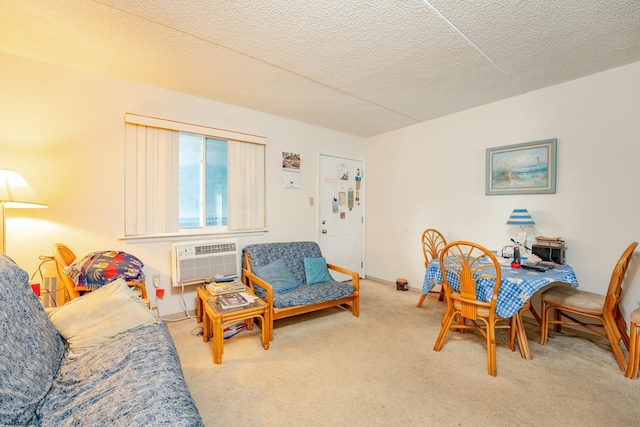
99 268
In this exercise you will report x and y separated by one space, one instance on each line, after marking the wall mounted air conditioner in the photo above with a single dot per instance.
194 262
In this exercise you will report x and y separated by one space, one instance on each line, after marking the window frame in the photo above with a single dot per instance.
152 167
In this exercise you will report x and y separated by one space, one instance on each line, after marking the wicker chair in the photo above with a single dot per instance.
432 244
64 257
568 302
471 264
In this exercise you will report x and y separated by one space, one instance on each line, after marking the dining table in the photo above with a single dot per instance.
517 286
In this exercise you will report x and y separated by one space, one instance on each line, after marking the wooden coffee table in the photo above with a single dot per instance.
202 296
215 318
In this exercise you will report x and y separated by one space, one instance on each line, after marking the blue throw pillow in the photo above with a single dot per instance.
316 271
278 276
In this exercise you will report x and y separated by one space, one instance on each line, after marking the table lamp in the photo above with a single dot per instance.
520 217
14 193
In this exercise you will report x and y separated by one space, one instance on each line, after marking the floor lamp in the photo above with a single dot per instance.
15 193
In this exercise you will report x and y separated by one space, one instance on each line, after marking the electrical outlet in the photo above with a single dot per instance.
156 281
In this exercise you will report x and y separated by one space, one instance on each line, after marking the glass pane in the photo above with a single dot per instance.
189 180
216 182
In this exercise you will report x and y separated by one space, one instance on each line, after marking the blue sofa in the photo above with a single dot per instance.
305 297
133 380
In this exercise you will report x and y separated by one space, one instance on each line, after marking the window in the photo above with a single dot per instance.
202 181
188 179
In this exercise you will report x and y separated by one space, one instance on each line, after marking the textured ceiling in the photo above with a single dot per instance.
360 67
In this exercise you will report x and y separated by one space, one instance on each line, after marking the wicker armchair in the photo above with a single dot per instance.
432 244
602 312
472 264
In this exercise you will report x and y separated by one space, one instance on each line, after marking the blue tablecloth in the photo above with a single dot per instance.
517 285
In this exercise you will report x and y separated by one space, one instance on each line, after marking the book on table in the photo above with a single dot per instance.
218 288
232 300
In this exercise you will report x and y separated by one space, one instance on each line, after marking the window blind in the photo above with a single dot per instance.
151 176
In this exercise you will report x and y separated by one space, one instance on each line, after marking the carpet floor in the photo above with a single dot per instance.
331 369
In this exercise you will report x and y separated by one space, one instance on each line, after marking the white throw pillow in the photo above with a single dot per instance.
100 316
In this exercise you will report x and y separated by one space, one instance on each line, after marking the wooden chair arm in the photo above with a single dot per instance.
252 278
355 277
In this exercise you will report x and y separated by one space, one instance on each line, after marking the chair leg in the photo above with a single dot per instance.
544 324
613 335
523 343
513 332
622 327
491 350
270 325
634 354
423 296
557 316
446 324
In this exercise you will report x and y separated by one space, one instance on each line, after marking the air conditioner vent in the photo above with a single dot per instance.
194 262
215 248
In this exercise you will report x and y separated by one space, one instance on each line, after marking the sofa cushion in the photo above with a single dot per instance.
316 271
308 294
101 316
278 276
30 348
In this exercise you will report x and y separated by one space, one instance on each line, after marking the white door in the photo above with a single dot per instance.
340 206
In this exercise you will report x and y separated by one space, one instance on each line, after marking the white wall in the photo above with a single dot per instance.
433 175
63 129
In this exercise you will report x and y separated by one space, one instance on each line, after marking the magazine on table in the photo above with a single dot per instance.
233 300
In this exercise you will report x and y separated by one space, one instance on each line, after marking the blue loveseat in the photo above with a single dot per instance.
132 380
304 297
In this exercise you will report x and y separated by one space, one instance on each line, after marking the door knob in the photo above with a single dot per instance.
324 231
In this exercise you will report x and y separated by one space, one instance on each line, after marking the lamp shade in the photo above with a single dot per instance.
15 192
520 217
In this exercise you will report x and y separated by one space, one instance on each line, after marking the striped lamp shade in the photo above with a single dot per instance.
520 217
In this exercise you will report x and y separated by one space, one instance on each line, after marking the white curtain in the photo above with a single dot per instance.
152 168
151 180
246 186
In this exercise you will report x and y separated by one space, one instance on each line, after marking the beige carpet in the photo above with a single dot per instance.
334 369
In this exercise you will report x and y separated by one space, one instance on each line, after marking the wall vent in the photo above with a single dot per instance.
192 263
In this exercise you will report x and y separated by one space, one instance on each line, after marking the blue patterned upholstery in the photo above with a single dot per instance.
136 380
293 254
114 385
30 348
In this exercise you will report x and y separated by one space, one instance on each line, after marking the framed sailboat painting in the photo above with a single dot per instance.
528 168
